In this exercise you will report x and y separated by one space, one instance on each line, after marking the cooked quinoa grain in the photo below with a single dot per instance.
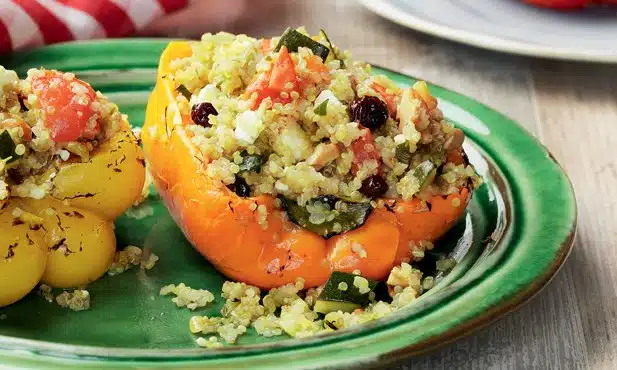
187 296
129 257
45 291
77 300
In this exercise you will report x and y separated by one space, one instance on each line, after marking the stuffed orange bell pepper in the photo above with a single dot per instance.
69 166
292 161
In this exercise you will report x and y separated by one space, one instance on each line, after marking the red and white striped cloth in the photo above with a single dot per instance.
29 23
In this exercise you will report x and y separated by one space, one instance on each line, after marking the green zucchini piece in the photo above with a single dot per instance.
352 217
425 173
333 299
402 153
293 40
7 147
251 162
184 91
325 307
381 292
331 46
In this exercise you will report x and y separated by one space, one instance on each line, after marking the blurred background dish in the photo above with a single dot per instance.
511 26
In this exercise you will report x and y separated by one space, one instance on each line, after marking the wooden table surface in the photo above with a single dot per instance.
572 108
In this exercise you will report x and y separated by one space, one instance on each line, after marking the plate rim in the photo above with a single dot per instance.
390 11
436 341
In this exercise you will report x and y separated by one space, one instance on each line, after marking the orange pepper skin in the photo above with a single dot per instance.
421 222
227 230
369 249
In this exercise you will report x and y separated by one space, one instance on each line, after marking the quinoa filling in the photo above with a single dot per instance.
295 117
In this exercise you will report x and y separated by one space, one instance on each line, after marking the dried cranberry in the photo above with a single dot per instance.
200 113
370 111
374 186
22 105
240 187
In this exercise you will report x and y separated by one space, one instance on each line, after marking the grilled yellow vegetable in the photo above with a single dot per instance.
80 244
109 182
23 256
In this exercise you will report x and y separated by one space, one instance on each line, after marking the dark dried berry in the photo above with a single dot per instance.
370 111
240 187
200 113
374 186
22 105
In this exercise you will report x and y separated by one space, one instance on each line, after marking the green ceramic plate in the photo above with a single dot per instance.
518 230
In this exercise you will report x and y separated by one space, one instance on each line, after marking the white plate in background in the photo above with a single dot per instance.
510 26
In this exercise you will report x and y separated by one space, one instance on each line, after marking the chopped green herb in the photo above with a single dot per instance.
322 109
331 46
251 163
7 147
293 40
184 91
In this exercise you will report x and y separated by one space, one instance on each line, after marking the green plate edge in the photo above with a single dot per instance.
539 239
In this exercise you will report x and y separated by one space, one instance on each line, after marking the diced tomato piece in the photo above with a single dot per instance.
364 149
259 86
283 73
390 99
66 103
281 78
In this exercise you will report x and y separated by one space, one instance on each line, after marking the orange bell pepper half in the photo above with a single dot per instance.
223 227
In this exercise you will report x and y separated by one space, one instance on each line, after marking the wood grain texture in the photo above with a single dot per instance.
572 108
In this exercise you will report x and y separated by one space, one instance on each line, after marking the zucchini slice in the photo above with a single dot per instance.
293 40
184 91
402 153
425 173
331 46
333 298
7 147
251 162
353 216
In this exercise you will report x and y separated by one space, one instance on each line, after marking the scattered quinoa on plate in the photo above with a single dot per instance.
291 310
